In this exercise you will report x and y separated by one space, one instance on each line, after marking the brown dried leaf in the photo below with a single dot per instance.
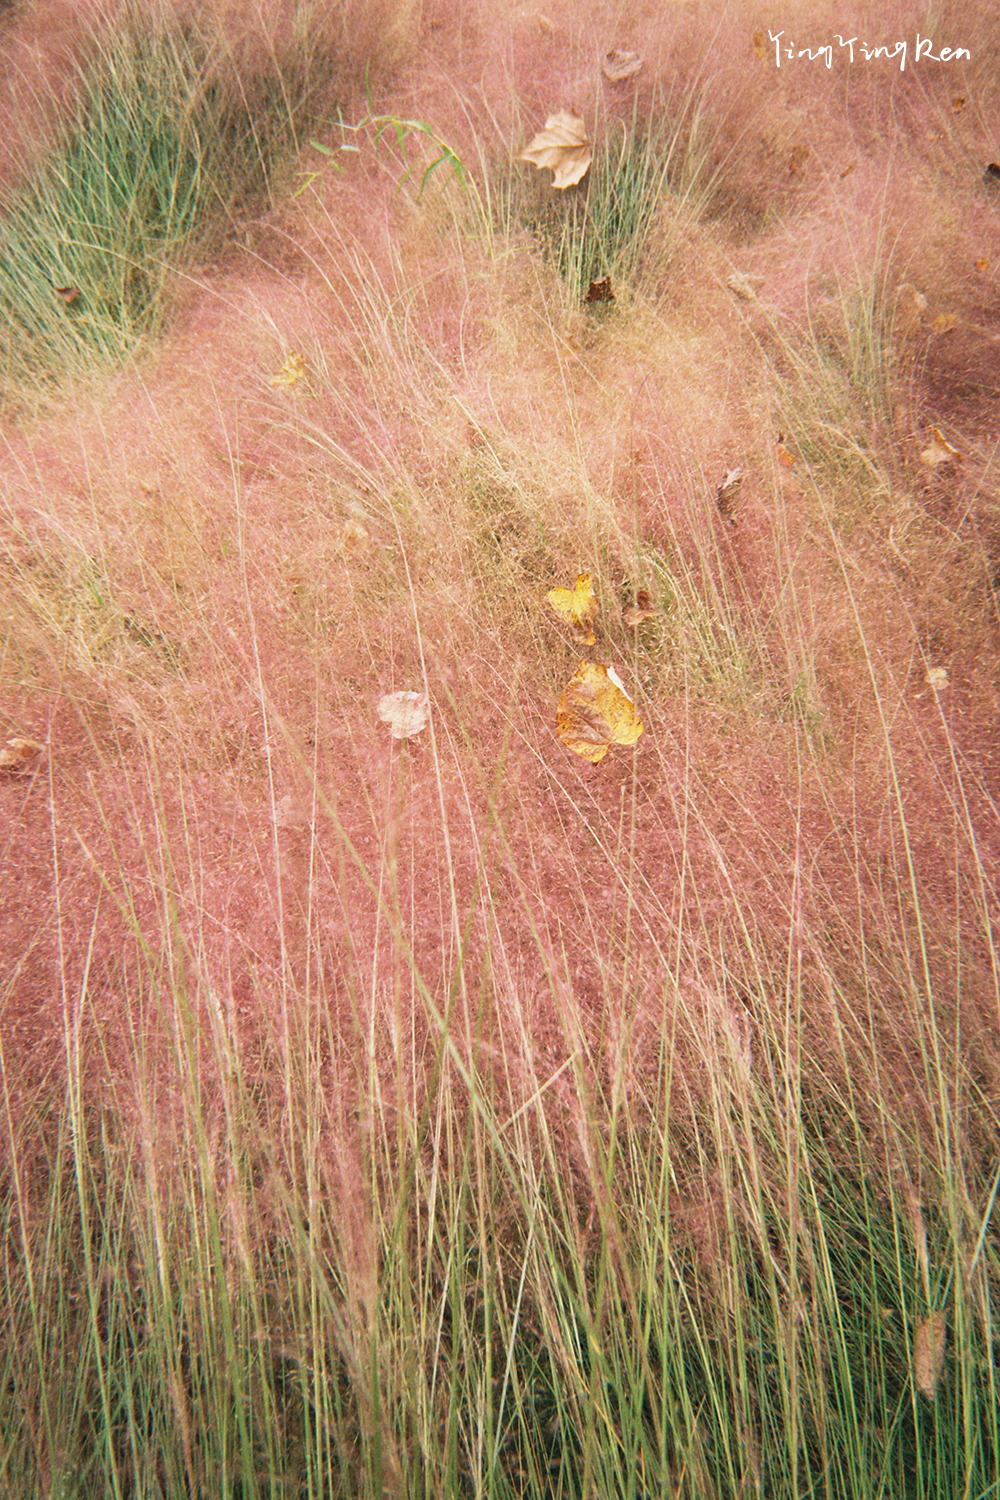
19 754
929 1346
618 65
642 609
562 146
939 451
728 492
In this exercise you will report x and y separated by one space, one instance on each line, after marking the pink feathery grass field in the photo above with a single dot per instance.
342 443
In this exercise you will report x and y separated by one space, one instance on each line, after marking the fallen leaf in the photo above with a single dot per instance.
642 609
958 104
577 607
937 678
405 713
929 1346
944 322
618 65
744 287
939 451
983 263
729 491
595 712
19 754
785 458
797 161
67 294
760 47
600 291
291 371
563 146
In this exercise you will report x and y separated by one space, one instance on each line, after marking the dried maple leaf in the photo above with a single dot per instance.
642 609
595 712
577 607
618 65
292 371
405 713
929 1346
939 451
563 146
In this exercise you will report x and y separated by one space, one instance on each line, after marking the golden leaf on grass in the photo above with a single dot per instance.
944 322
929 1346
595 712
939 451
577 607
936 678
67 294
618 65
785 458
642 609
19 754
292 371
563 146
983 263
405 713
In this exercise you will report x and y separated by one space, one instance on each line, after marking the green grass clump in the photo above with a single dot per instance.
161 154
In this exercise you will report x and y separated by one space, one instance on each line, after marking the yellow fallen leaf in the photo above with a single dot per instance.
291 371
929 1346
563 146
577 607
595 712
405 713
939 451
944 322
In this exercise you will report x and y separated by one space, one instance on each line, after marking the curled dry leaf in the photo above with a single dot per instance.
939 451
291 372
20 754
929 1346
405 713
595 712
786 459
67 294
744 287
563 146
600 291
618 65
577 607
642 609
728 492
